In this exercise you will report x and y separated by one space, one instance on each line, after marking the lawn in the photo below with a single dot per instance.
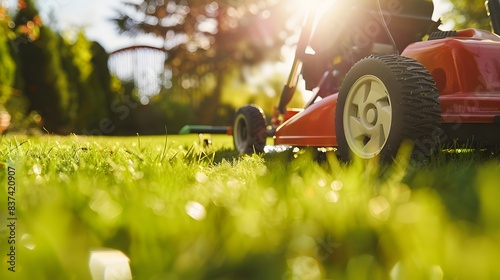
179 210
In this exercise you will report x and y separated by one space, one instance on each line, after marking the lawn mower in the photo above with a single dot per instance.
383 73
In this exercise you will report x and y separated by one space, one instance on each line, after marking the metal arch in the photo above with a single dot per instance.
141 64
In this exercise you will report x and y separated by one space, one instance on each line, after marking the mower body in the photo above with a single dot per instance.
466 68
377 83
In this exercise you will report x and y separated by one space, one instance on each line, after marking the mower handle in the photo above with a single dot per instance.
493 9
293 78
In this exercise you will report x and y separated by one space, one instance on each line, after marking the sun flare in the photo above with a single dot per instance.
314 8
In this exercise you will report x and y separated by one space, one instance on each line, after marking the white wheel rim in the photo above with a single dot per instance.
367 117
241 133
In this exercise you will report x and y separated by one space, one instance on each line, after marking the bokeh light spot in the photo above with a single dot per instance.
195 210
380 208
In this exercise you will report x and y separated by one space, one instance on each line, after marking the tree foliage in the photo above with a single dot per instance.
211 38
204 36
44 81
87 79
66 81
469 14
7 65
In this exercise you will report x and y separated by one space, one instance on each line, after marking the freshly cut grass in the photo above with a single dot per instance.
179 210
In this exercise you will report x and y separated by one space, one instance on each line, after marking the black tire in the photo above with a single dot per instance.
405 107
249 130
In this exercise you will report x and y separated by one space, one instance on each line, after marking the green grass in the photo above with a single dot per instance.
183 211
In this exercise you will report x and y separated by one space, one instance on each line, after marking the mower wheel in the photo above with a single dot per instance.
383 101
249 130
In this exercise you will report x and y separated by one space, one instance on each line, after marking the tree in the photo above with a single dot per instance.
40 72
7 65
85 64
209 38
67 82
468 14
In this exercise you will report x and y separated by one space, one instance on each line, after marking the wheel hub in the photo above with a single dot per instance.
241 133
367 116
370 116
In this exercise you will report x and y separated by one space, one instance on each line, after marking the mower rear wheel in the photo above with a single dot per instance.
249 130
383 101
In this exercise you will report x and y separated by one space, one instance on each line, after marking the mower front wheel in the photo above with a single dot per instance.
249 130
383 101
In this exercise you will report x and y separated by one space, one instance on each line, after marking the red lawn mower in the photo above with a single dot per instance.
376 83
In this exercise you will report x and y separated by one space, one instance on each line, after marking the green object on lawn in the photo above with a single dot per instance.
188 129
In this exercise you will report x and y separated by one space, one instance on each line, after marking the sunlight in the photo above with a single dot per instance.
315 6
301 9
318 8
